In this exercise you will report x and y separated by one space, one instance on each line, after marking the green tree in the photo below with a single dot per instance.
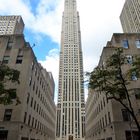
8 75
112 80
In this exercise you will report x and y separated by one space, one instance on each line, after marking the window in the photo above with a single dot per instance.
6 59
37 107
133 76
132 135
137 43
122 95
33 122
32 65
34 105
103 122
3 134
31 101
28 97
24 138
109 117
29 119
129 59
110 138
25 116
105 119
137 93
104 101
9 45
125 115
125 44
19 59
7 114
137 96
30 81
12 93
34 86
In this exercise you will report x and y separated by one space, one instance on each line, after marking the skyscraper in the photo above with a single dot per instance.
71 106
130 16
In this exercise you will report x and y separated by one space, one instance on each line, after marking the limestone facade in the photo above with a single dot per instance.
107 119
34 118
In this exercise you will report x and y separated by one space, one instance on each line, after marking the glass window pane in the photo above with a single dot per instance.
7 114
19 59
5 59
129 59
134 77
125 44
125 115
137 43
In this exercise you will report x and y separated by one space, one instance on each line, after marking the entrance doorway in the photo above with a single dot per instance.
70 137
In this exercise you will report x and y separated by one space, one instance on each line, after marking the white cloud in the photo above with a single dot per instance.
48 19
99 20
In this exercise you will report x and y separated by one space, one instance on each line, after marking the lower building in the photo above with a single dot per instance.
107 119
34 118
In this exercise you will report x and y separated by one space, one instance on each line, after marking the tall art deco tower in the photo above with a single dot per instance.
71 105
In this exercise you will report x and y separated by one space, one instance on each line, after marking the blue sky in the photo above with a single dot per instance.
99 19
43 44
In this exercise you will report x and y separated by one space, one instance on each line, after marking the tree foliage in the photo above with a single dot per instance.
109 77
8 76
112 80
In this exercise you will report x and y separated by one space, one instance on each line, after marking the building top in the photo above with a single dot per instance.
11 17
11 25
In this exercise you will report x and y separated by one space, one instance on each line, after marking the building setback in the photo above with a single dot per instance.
107 119
130 16
34 118
71 106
